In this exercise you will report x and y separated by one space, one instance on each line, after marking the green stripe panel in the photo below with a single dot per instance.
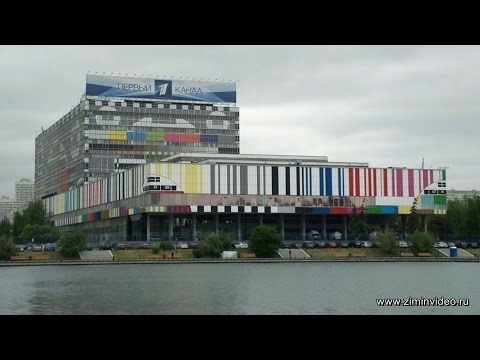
444 175
155 136
372 210
440 200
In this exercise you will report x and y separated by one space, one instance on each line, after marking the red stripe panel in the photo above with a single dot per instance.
350 182
365 182
431 176
399 182
357 182
385 183
425 179
340 210
410 184
374 182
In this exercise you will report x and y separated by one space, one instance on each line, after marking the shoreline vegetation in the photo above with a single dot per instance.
185 256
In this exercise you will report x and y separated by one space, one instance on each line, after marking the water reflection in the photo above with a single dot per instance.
285 288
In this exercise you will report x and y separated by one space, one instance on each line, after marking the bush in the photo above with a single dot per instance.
213 246
387 244
422 242
264 241
156 248
165 245
71 243
7 248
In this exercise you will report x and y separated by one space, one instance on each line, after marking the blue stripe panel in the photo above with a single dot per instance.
303 181
310 176
321 210
322 193
328 177
388 209
136 136
207 138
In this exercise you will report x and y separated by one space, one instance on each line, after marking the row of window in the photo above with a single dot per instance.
155 105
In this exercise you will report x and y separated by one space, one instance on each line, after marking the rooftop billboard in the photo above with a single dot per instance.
133 87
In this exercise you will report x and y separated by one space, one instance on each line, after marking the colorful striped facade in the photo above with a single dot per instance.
266 188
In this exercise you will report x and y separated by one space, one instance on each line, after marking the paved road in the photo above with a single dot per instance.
296 254
96 255
460 253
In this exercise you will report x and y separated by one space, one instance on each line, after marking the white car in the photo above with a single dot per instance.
183 246
241 245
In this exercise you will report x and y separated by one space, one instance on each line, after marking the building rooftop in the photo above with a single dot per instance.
256 159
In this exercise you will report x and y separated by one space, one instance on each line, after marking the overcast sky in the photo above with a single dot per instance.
385 105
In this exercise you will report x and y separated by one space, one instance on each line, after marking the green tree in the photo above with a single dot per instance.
5 227
387 244
41 233
7 248
35 213
357 222
413 220
264 241
71 243
213 245
422 242
18 224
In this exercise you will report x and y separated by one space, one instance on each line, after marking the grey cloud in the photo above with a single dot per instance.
386 105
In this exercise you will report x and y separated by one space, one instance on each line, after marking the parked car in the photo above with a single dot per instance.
50 247
366 244
20 247
308 244
182 246
241 245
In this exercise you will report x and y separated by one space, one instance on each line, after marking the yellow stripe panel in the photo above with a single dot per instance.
117 135
404 209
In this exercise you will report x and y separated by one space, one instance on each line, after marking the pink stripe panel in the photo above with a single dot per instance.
399 182
410 183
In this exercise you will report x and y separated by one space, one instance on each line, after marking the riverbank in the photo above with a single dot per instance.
236 261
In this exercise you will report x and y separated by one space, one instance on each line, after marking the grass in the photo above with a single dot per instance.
140 254
475 252
369 252
53 255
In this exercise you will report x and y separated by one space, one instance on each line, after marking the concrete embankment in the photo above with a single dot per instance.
238 261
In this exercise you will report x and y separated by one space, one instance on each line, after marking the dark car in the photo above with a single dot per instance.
106 246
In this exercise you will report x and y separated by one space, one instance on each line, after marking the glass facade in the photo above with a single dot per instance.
98 138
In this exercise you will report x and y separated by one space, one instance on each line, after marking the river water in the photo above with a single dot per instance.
272 288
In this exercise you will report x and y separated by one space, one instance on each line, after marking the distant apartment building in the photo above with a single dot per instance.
460 194
7 206
24 192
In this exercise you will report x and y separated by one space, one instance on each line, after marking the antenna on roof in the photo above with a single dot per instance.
423 162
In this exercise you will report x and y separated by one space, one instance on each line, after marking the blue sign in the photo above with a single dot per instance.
130 87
